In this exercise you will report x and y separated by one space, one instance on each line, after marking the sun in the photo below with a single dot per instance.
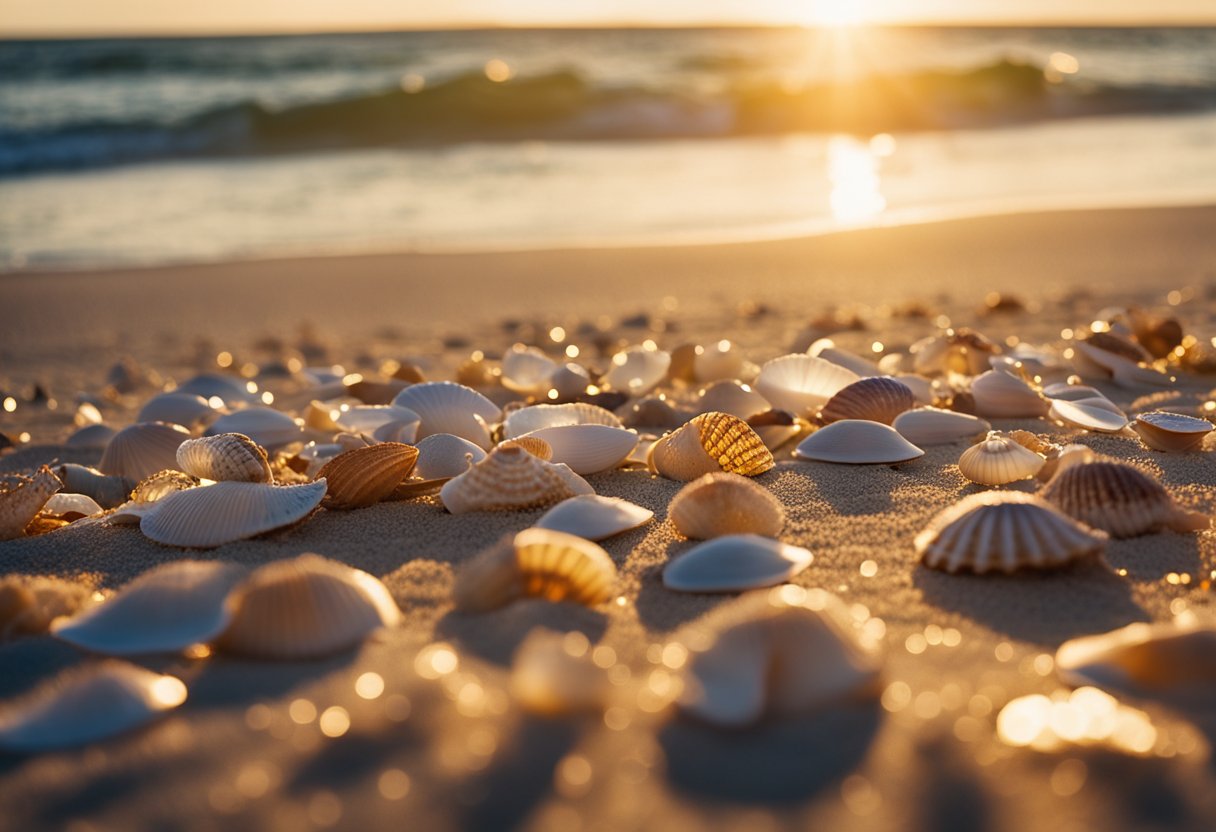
830 13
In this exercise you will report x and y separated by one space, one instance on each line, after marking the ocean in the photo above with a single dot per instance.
154 151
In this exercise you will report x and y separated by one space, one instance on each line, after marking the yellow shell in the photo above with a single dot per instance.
364 476
226 456
1043 447
877 399
998 460
1118 499
21 498
508 479
720 503
534 445
710 442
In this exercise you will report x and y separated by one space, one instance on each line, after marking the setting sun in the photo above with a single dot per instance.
831 12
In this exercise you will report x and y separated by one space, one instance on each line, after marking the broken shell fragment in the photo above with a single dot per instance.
1117 498
210 516
710 442
447 407
930 426
510 479
593 517
226 456
735 563
857 442
999 460
1172 432
364 476
877 398
143 449
21 498
719 504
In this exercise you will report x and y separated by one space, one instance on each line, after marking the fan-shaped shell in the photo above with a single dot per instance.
720 504
1002 395
213 515
553 673
527 370
178 408
593 517
998 460
802 384
878 399
926 426
1172 432
106 490
857 442
733 397
1118 499
230 391
710 442
1096 414
21 498
1005 531
226 456
720 360
87 704
1143 658
539 563
364 476
587 449
91 436
539 416
442 456
508 479
734 563
304 608
637 370
447 407
143 449
264 425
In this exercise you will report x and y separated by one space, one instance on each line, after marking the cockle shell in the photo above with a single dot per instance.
1005 531
538 416
779 652
143 449
720 504
586 449
210 516
1144 658
857 442
106 490
553 674
1117 498
165 610
91 436
305 608
527 370
998 460
733 397
539 563
594 517
1002 395
826 349
443 456
28 604
447 407
230 391
178 408
1172 432
21 498
878 399
266 426
226 456
710 442
364 476
735 563
926 426
1096 414
61 504
508 479
802 384
637 370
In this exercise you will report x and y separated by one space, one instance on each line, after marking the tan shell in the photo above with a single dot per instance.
1002 395
1048 450
998 460
878 399
21 498
537 416
653 412
1142 658
306 608
857 442
508 479
107 491
1118 499
364 476
227 456
720 503
1004 531
539 563
28 605
213 515
553 674
143 449
733 397
264 425
962 351
718 361
534 445
1096 414
594 517
710 442
147 493
927 426
1172 432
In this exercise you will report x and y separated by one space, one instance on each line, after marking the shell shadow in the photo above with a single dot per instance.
658 611
494 635
224 681
1171 552
951 795
768 763
874 484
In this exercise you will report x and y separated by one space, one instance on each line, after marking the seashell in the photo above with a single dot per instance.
930 426
164 610
21 498
538 563
306 608
1143 658
527 370
87 704
508 479
1002 395
1071 392
826 349
229 391
857 442
1160 336
735 563
446 407
443 456
1110 342
776 427
802 384
653 412
538 416
143 449
922 387
371 392
587 449
226 456
999 460
710 442
1123 369
553 674
1117 498
1096 414
720 360
534 445
28 605
476 371
1005 531
364 476
725 504
780 652
593 517
61 504
963 351
1198 355
878 399
637 370
213 515
1171 432
266 426
177 408
369 418
91 436
683 363
570 380
733 397
1048 450
147 493
107 491
398 430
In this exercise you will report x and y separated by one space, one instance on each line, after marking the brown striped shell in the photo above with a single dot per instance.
877 399
509 479
710 442
720 503
21 498
364 476
1119 499
226 456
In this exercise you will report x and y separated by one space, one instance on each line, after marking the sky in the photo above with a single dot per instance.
115 17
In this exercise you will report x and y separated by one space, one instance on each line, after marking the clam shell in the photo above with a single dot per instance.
1004 531
527 370
21 498
539 416
734 563
878 399
178 408
143 449
266 426
1143 658
999 394
725 504
106 490
710 442
718 361
447 407
91 436
1171 432
1118 499
539 563
227 456
61 503
213 515
508 479
593 517
587 449
29 604
733 397
802 384
857 442
364 476
228 390
84 705
922 387
553 674
637 370
1096 414
930 426
443 456
998 460
305 608
164 610
570 380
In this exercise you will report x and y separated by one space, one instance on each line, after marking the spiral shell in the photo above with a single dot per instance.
364 476
1172 432
21 498
710 442
143 449
998 460
227 456
877 398
1118 499
720 504
509 479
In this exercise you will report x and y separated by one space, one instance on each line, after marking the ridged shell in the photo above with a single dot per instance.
780 652
509 479
826 349
1172 432
1005 531
365 476
213 515
447 407
718 361
61 504
266 426
231 391
1048 450
165 610
998 460
527 370
228 456
857 442
720 504
593 517
534 445
538 563
143 449
538 416
878 399
21 498
178 408
553 674
1118 499
106 490
710 442
1096 414
86 704
930 426
587 449
305 608
1002 395
1143 658
637 370
29 604
733 397
735 563
802 384
442 456
91 436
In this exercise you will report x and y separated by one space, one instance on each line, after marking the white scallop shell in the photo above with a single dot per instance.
802 384
230 391
63 503
826 349
509 479
143 449
226 456
1003 395
91 436
588 449
931 426
593 517
213 515
858 442
447 407
637 370
733 397
734 563
718 361
528 419
1172 432
442 456
998 460
553 673
1096 414
266 426
185 409
1177 657
527 370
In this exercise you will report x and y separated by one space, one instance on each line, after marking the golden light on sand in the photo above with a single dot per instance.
369 685
1086 716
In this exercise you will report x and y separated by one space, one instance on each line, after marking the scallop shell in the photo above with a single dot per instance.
21 498
364 476
227 456
826 349
143 449
178 408
725 504
213 515
878 399
1005 531
637 370
443 456
29 604
926 426
266 426
61 504
1002 395
587 449
1171 432
710 442
1143 658
780 652
720 360
1096 414
857 442
802 384
538 416
107 491
230 391
539 563
508 479
735 563
593 517
999 460
527 370
1118 499
553 674
733 397
91 436
164 610
447 407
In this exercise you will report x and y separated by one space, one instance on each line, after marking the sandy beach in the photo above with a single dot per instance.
456 752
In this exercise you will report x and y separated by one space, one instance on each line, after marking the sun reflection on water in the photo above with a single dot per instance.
853 171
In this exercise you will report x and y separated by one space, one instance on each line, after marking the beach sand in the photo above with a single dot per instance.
455 751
